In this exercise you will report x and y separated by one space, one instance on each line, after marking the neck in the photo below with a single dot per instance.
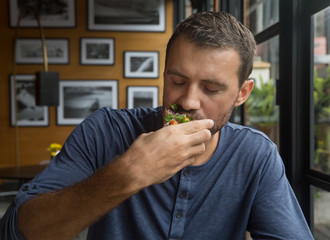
210 147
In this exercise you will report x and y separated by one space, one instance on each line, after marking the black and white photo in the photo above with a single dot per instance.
79 98
126 15
97 51
142 96
59 13
139 64
30 51
28 114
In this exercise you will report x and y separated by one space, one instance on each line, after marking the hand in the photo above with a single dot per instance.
154 157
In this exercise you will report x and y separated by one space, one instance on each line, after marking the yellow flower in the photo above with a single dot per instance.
54 148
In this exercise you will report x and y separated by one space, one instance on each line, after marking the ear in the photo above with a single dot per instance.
244 92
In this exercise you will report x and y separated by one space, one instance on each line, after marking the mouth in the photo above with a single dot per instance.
174 116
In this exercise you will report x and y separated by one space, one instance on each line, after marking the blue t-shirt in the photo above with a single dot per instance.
242 187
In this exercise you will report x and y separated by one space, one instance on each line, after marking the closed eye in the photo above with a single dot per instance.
213 87
176 77
211 90
178 83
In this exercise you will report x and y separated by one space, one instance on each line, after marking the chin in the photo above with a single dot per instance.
218 126
215 129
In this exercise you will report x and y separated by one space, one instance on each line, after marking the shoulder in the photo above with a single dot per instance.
115 126
245 135
249 147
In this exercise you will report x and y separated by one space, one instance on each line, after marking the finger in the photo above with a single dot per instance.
199 137
197 125
197 150
193 152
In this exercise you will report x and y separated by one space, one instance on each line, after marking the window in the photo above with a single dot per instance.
320 118
260 110
184 8
262 113
321 91
321 216
260 14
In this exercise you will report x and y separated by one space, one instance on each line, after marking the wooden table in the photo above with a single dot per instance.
21 173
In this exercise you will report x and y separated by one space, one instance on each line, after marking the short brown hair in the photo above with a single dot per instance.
219 30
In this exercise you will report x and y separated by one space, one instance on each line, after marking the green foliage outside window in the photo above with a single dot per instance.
322 122
321 97
260 105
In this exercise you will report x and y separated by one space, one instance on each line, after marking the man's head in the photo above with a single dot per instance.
219 30
208 60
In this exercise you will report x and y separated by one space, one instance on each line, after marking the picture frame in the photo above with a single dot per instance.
28 113
141 64
80 98
30 51
142 96
52 14
141 15
97 51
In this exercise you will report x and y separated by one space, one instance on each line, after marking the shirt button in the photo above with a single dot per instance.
186 172
178 214
183 195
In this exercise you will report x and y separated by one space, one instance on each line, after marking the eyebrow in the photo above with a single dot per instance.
174 72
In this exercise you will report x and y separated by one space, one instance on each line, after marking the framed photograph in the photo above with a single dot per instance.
141 97
51 13
140 64
97 51
29 51
126 15
78 99
28 114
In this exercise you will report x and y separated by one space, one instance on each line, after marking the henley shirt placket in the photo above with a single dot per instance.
180 205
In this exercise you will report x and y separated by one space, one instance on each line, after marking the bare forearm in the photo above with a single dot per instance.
64 214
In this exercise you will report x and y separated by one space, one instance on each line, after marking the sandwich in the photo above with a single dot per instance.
173 117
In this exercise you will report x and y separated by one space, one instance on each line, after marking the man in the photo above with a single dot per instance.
127 177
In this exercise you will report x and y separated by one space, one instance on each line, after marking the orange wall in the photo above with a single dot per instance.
33 141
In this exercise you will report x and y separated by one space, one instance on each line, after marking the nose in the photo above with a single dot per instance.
191 99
